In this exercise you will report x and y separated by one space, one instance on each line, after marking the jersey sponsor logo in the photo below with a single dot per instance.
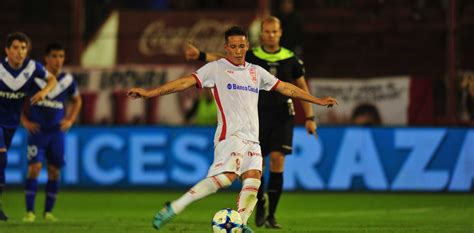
50 104
233 86
229 71
12 95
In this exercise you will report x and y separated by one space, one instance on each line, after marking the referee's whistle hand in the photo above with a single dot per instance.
191 53
329 102
136 93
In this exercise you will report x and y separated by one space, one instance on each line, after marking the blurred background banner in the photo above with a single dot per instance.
158 37
388 95
105 101
428 41
106 87
344 158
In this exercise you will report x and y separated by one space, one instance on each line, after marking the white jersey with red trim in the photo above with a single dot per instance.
235 89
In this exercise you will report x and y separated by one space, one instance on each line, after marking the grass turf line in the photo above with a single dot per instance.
125 211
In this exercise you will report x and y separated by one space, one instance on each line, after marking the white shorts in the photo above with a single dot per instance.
236 155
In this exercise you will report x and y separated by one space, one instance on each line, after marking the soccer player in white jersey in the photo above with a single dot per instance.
235 85
46 123
16 75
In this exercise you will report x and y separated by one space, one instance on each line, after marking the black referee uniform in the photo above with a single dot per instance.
276 111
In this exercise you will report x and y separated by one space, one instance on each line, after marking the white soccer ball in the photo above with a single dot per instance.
227 220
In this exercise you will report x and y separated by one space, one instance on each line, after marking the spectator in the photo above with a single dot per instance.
366 115
467 100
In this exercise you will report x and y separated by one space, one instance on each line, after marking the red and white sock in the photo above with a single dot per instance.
247 198
202 189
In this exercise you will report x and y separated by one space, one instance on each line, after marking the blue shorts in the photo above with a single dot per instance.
49 145
6 136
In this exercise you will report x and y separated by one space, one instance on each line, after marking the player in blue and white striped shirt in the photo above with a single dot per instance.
16 75
46 122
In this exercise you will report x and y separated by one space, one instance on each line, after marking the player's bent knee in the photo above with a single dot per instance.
230 175
222 181
34 170
54 175
3 149
53 172
277 162
256 174
277 157
277 167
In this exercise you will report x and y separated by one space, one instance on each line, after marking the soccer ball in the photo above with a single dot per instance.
227 220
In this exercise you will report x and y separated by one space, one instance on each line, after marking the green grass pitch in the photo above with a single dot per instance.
123 211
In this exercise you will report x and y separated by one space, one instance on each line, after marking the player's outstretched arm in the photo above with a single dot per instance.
293 91
40 95
168 88
310 123
192 53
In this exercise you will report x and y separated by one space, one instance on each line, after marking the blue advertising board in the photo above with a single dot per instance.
341 158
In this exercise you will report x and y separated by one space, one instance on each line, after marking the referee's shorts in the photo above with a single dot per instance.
277 136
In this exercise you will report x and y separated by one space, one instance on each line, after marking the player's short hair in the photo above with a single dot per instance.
54 46
270 19
234 31
19 36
